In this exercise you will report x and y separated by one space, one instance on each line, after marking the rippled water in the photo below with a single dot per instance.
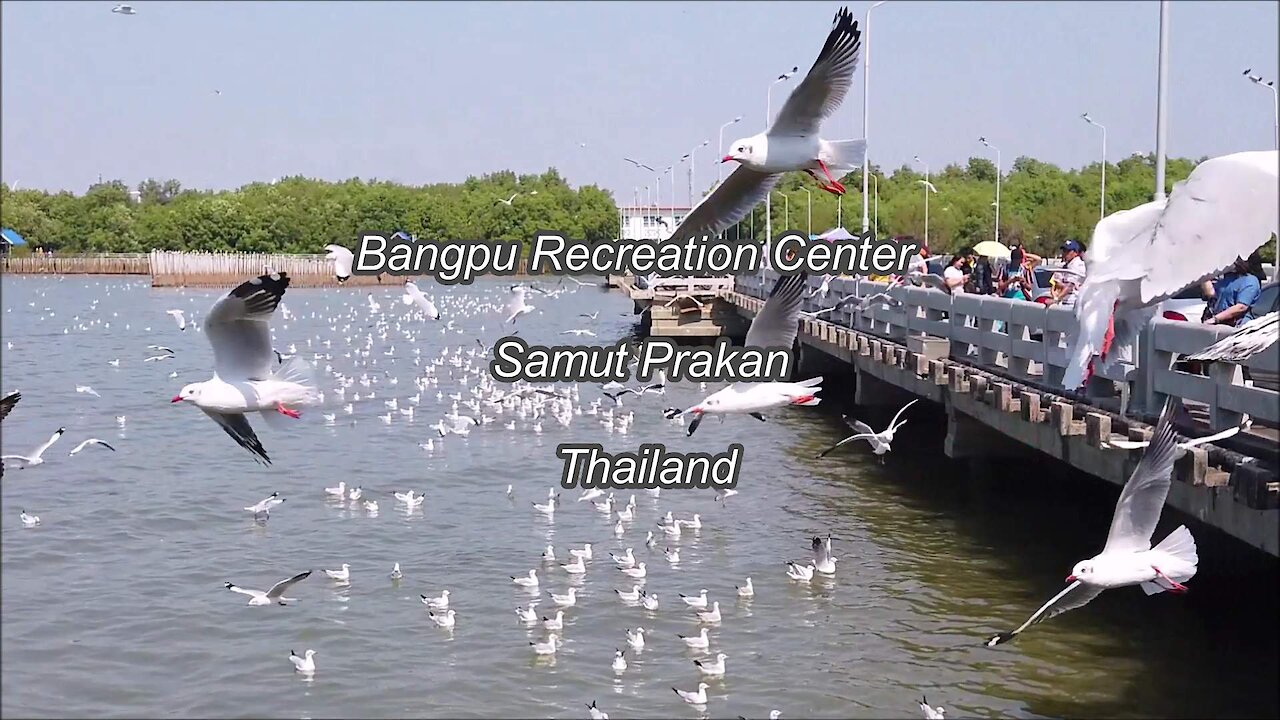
114 606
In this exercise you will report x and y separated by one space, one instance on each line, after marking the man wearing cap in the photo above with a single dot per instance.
1068 280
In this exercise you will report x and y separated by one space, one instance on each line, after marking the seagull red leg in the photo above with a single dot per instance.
280 408
836 188
1175 587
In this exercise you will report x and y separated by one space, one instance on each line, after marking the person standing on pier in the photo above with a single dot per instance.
1068 281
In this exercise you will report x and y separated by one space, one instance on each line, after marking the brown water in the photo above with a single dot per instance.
114 606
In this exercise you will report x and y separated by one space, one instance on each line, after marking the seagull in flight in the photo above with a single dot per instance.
7 403
124 10
639 164
414 296
263 507
342 259
37 456
509 200
274 595
792 142
516 305
775 326
1128 558
87 389
880 441
180 317
245 376
90 441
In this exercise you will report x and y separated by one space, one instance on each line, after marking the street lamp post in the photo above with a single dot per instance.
1162 98
671 170
983 140
866 108
768 118
1275 102
693 158
786 212
926 199
876 220
1102 198
809 212
657 227
720 166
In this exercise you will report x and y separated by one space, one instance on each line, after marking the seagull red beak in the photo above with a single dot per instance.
726 158
176 398
1071 578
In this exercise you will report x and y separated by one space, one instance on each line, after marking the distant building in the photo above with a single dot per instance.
10 239
649 222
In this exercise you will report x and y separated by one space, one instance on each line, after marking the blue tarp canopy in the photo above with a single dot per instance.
12 237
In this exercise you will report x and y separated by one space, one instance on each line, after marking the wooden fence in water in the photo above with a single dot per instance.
104 264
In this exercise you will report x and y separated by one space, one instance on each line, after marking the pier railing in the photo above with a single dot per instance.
1028 341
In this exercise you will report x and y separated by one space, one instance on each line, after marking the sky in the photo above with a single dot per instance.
434 92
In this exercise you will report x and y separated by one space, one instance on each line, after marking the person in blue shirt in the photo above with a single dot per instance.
1233 296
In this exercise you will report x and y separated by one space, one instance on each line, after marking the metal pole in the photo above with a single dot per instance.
810 210
1162 98
658 226
1102 201
877 218
926 199
983 140
866 108
672 169
720 166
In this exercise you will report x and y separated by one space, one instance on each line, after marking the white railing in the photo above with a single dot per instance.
692 286
1028 341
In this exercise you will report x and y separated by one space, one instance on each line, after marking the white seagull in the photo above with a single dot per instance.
1128 558
245 376
274 595
180 317
619 661
342 259
414 296
823 561
775 327
792 142
305 664
37 456
697 641
342 575
694 697
930 712
880 441
29 521
90 441
530 581
263 507
712 667
546 648
516 306
1224 210
597 713
803 573
747 590
698 602
437 603
87 389
1250 339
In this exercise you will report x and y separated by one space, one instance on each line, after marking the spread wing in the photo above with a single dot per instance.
828 81
238 427
1143 496
278 589
727 204
893 424
778 321
1073 596
342 259
7 403
1252 338
238 328
869 437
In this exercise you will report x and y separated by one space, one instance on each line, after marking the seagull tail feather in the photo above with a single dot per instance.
299 372
846 153
1093 310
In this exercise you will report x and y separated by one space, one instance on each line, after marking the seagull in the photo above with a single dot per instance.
639 164
437 603
87 389
516 306
157 358
584 553
597 713
576 567
263 507
444 620
697 641
305 664
1253 337
124 10
180 317
29 520
880 441
546 648
340 491
7 403
342 259
747 590
635 638
632 595
509 200
713 616
1232 431
619 662
694 697
526 615
568 600
414 296
36 456
396 574
697 603
928 185
530 581
931 713
649 601
823 561
712 667
245 376
803 573
1224 210
91 441
162 348
578 333
342 575
1128 558
775 326
274 595
792 142
636 572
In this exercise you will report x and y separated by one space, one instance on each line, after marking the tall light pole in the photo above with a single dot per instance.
1275 101
926 199
810 210
657 227
720 166
1162 98
983 140
671 170
1102 199
876 221
768 118
866 108
693 158
786 211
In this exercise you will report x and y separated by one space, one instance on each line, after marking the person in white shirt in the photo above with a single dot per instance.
1067 281
918 263
956 275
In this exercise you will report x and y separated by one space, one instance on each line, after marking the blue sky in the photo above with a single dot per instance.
427 92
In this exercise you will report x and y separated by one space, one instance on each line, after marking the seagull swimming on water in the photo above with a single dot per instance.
263 506
305 664
1128 558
